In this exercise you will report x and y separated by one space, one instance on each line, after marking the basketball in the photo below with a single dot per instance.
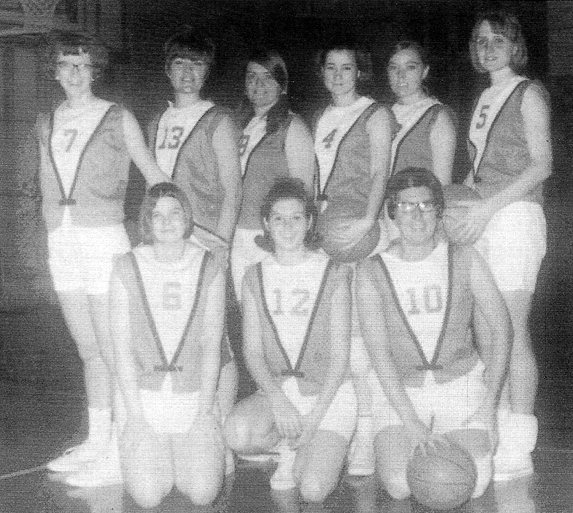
453 214
444 478
335 216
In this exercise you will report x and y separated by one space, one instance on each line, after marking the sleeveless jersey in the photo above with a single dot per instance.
422 290
252 134
290 293
174 127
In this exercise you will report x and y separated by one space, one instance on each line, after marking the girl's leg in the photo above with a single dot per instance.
393 451
318 465
226 396
199 460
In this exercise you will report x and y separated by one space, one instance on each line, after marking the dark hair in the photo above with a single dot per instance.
407 44
506 24
153 195
288 188
279 112
72 43
361 55
189 44
413 177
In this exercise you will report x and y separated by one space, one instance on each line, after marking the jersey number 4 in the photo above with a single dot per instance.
329 139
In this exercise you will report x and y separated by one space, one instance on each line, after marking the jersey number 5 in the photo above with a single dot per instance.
482 117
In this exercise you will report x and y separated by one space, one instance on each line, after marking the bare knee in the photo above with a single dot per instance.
200 491
146 496
397 487
314 488
237 433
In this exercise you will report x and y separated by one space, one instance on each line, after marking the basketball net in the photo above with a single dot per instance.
39 14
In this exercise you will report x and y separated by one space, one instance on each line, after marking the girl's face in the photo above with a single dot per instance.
288 225
188 75
416 215
75 73
340 72
406 73
168 220
494 51
262 89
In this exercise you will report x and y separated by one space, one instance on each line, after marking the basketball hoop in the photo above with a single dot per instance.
39 14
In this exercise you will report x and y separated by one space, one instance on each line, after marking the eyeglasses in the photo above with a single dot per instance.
423 206
69 66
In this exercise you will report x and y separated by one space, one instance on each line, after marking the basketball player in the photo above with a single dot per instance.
352 141
510 146
86 145
167 323
195 144
415 303
275 143
296 305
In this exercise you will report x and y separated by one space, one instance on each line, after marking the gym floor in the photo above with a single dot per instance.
42 407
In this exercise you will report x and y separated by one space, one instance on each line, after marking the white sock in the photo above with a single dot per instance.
484 467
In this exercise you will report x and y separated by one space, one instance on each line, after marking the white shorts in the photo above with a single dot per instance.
341 414
81 258
514 243
244 253
444 406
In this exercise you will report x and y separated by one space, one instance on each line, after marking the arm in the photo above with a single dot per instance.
211 335
339 334
373 327
443 145
227 153
535 113
287 418
139 152
299 150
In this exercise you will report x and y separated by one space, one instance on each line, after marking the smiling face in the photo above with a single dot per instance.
417 228
406 74
262 89
340 72
288 225
494 51
187 75
168 221
74 73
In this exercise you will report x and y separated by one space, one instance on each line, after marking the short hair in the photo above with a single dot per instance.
189 44
407 44
73 43
288 188
413 177
506 24
153 195
361 55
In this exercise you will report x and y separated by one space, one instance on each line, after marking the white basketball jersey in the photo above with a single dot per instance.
252 134
332 126
174 127
290 293
422 290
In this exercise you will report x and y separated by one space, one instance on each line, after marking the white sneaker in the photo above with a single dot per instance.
361 460
283 478
104 471
263 457
76 458
512 466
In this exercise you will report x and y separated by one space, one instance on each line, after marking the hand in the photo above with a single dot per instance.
421 437
352 232
287 418
310 424
136 430
473 223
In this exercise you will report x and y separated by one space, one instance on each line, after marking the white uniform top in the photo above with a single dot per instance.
422 289
72 130
332 126
252 134
489 105
291 292
174 127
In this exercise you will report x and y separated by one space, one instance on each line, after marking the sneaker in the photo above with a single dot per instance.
361 460
283 478
508 467
75 458
104 471
263 457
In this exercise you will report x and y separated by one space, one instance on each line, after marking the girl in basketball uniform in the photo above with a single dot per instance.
296 307
426 136
415 302
275 143
352 141
167 323
86 145
509 141
195 144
